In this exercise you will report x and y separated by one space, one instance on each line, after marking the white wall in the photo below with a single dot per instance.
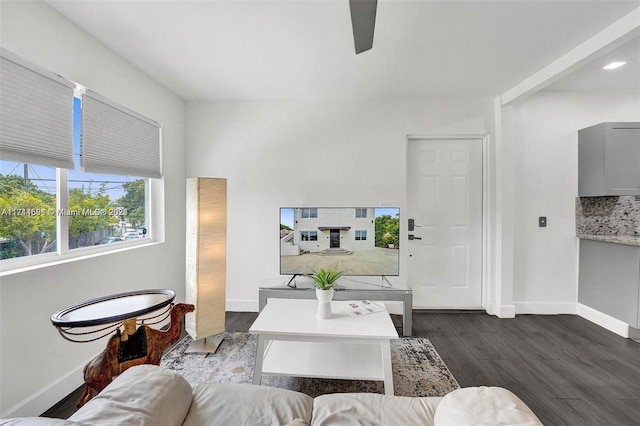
37 366
542 130
315 153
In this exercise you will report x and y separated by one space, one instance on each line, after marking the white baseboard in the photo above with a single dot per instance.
41 401
545 308
491 308
506 311
501 311
242 305
603 320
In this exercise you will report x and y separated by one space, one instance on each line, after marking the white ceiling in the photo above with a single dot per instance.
303 49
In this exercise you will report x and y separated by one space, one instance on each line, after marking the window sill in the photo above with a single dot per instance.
53 259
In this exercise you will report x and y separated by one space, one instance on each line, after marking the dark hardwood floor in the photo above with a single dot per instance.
568 370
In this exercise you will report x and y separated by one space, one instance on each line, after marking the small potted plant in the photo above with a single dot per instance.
325 280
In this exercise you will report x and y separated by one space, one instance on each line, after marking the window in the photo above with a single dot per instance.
35 137
27 209
360 212
309 235
307 213
103 208
361 235
70 176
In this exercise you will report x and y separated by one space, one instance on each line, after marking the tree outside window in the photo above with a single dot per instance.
27 218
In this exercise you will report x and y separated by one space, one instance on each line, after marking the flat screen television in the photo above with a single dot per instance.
359 241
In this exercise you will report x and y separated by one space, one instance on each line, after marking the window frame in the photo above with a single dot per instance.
309 235
62 222
360 211
62 253
359 235
309 211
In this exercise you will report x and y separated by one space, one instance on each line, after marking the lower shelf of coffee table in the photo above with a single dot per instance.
333 360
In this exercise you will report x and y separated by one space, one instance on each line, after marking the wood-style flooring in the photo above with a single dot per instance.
567 369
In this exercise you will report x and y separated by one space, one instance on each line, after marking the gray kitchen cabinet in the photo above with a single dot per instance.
609 279
609 160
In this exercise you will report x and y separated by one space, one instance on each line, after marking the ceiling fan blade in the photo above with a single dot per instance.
363 20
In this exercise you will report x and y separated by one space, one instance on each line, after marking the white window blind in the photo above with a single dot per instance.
116 140
36 114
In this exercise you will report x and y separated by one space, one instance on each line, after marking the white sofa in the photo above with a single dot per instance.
152 395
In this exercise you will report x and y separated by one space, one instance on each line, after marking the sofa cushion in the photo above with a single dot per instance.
246 404
481 406
142 395
372 409
297 422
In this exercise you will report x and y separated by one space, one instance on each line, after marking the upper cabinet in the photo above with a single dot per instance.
609 160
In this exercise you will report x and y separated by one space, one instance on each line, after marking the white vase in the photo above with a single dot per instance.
324 303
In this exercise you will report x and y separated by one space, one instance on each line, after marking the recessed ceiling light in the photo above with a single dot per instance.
613 65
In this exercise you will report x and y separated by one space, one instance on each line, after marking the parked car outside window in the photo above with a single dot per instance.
108 240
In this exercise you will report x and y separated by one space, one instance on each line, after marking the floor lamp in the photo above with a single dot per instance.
206 261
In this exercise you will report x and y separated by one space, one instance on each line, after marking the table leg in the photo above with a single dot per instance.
386 367
407 318
262 299
257 370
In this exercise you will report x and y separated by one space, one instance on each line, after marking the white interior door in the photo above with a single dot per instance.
444 188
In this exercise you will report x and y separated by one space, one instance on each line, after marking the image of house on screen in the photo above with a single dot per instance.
332 230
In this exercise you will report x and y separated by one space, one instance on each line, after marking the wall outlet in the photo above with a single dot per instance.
542 221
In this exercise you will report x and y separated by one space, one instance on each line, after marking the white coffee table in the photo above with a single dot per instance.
293 342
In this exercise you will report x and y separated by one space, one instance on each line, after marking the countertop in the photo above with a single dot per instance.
628 240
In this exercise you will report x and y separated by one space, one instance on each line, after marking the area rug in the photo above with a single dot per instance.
417 368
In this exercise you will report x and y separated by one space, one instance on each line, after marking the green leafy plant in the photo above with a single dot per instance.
325 279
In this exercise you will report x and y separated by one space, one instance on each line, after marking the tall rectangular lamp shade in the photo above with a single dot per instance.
206 261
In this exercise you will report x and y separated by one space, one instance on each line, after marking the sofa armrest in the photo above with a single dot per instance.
142 395
483 405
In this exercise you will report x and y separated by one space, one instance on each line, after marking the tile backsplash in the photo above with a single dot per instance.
607 215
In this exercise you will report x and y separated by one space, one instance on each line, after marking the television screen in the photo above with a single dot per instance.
356 240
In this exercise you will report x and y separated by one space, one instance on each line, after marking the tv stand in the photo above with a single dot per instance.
356 291
292 280
384 279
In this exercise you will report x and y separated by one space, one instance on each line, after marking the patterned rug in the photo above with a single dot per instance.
417 368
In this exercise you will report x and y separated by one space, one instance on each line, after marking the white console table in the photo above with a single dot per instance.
368 292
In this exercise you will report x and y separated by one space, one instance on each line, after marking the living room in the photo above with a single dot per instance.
261 144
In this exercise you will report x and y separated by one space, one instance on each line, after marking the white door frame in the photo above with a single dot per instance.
485 202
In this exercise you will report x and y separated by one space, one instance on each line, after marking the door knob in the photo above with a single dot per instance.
413 237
